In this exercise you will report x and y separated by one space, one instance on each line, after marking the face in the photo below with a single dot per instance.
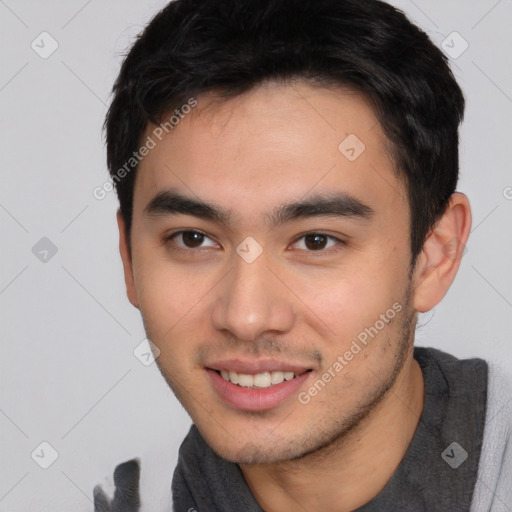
271 248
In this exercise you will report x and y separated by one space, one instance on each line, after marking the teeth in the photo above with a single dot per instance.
246 381
260 380
277 377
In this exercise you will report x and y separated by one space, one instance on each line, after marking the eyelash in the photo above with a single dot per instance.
169 240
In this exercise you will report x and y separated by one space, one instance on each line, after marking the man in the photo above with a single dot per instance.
286 171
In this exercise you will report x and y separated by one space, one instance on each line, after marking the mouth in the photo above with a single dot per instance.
261 380
256 387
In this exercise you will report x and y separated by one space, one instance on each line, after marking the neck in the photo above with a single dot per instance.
356 467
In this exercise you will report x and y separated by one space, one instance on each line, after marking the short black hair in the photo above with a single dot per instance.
230 46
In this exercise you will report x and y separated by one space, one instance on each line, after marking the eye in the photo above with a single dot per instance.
318 242
188 239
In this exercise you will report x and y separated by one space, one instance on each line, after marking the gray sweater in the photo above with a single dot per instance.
460 458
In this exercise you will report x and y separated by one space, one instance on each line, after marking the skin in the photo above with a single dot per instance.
276 144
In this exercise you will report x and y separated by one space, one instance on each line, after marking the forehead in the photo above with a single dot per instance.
275 143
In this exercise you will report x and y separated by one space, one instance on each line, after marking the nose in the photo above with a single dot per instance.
252 301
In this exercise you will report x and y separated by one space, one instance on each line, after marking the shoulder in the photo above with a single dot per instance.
498 422
493 490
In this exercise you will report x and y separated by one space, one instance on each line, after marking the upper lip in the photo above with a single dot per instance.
258 366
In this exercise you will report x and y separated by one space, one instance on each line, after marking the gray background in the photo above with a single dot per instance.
68 374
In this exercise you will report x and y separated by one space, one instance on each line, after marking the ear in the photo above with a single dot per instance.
126 256
442 253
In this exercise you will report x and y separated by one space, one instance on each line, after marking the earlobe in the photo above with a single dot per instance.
439 261
127 261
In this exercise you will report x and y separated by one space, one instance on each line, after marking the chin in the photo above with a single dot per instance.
249 451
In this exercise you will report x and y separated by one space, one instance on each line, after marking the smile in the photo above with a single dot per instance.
260 380
258 390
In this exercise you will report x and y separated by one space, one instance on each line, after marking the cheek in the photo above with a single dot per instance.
351 297
173 299
351 310
162 295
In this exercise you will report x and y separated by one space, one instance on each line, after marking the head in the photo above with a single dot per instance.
288 187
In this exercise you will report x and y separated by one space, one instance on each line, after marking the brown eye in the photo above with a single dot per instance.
318 242
189 239
192 239
315 242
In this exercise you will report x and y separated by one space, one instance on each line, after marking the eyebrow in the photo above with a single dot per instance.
169 202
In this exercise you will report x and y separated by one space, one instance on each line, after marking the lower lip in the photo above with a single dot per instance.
252 399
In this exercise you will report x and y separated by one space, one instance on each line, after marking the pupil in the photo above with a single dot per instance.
318 241
191 238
